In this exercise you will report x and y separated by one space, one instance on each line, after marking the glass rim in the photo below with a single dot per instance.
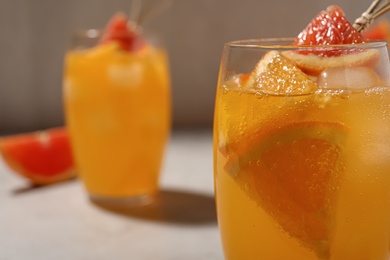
92 33
88 33
88 38
287 44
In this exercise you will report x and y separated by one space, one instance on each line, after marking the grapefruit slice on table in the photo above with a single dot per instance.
43 157
291 171
330 27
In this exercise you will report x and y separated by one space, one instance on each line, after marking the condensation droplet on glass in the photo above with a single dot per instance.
345 94
259 94
225 89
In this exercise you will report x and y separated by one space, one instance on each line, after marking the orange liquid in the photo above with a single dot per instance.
117 108
356 204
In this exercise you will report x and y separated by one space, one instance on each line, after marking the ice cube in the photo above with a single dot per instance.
355 78
126 74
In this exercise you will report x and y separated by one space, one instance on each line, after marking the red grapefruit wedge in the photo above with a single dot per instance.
119 31
379 30
330 28
42 157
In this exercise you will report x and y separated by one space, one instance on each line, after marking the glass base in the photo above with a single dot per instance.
133 201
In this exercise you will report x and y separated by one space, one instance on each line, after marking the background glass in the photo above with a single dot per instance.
117 110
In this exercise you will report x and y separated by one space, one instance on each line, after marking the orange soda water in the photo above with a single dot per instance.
117 107
303 175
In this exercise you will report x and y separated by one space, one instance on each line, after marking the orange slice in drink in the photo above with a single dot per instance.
277 75
292 171
273 75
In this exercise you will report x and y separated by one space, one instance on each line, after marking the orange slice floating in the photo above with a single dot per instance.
292 171
277 75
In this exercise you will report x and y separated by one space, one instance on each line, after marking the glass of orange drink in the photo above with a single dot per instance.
117 110
302 149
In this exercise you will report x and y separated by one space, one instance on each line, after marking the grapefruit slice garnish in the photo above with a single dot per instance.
292 172
119 31
330 28
43 157
314 65
277 75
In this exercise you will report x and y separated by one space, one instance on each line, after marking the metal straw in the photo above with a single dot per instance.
142 10
376 9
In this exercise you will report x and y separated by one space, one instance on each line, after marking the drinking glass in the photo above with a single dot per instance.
302 150
117 110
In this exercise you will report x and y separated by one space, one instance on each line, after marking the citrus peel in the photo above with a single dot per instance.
43 157
312 64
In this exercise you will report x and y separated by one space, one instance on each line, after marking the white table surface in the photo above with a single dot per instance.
59 222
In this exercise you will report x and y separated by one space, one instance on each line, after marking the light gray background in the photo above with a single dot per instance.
35 34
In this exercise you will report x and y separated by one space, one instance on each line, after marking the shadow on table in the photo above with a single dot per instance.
172 206
31 187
